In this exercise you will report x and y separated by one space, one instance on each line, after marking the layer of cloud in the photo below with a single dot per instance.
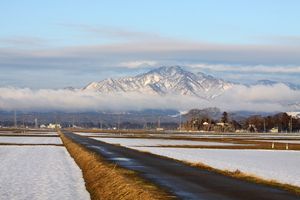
281 39
23 42
254 98
247 69
138 63
129 49
141 46
111 32
172 52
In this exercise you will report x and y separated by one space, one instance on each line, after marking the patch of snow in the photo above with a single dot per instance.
280 141
95 134
35 173
30 140
294 114
29 133
282 166
133 142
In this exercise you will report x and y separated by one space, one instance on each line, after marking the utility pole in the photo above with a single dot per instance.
100 123
15 119
145 123
23 121
35 123
55 117
119 122
264 125
158 123
291 125
180 122
73 121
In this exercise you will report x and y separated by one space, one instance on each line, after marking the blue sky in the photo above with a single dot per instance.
62 42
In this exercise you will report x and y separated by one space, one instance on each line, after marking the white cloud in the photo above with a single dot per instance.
255 98
138 63
23 42
111 32
258 98
132 50
248 68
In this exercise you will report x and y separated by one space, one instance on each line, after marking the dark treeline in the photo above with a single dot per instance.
210 119
280 122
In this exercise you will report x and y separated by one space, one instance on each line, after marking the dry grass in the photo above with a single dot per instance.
107 181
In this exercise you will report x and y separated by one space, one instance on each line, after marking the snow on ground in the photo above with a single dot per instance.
30 140
95 134
28 134
132 142
240 136
41 133
280 141
188 135
282 136
35 173
279 165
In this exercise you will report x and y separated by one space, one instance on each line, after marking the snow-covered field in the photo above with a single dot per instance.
237 136
280 141
30 140
28 133
188 135
282 166
36 173
134 142
95 134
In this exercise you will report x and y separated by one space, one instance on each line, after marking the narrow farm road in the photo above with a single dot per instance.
183 181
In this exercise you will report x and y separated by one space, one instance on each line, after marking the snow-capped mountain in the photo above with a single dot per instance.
271 83
162 81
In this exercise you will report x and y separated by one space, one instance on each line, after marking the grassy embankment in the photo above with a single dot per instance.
107 181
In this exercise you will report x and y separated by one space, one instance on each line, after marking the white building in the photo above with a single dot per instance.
274 130
53 126
43 126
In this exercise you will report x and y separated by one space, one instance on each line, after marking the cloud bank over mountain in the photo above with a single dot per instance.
108 50
254 98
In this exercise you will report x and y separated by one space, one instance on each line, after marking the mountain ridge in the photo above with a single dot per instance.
164 80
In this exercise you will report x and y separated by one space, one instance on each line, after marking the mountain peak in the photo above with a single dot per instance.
271 83
165 80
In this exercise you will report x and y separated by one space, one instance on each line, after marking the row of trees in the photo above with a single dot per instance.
280 122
